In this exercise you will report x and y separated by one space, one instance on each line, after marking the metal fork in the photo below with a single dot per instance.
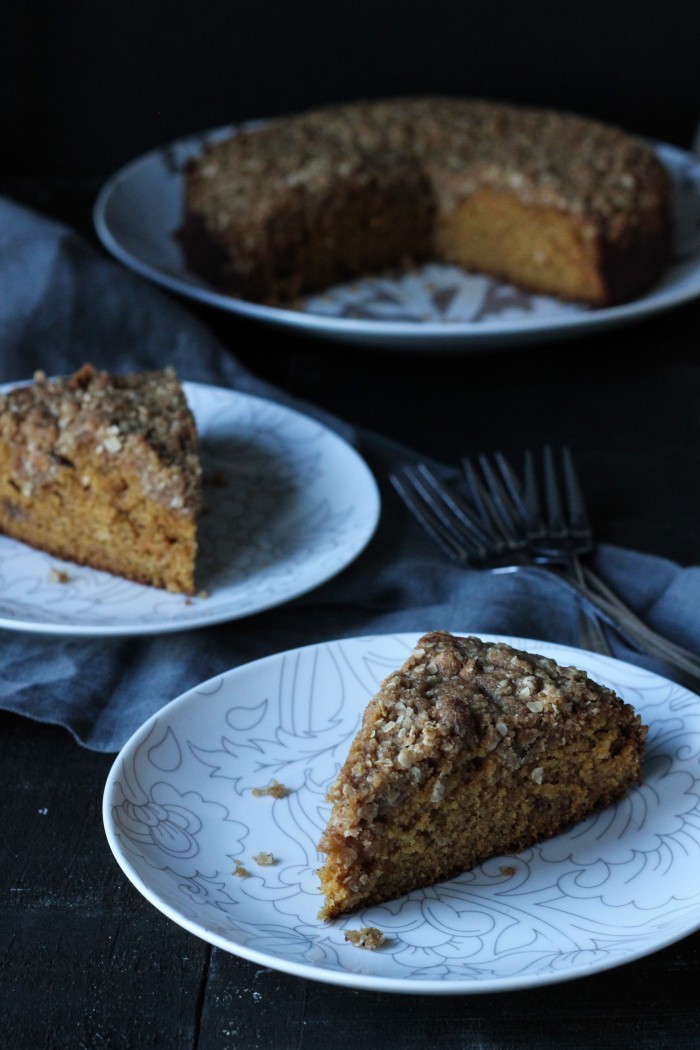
468 535
550 532
563 530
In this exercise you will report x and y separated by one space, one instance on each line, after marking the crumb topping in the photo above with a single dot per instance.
368 937
265 860
461 693
142 418
549 158
273 790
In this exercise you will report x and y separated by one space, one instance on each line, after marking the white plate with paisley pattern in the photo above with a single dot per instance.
138 213
288 504
180 813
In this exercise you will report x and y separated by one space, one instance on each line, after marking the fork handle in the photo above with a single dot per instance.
684 656
682 669
684 664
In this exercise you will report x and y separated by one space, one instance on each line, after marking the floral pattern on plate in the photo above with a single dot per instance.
186 825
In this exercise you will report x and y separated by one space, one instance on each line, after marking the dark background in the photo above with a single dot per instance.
89 85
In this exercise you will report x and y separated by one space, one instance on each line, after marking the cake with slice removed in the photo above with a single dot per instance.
103 470
471 750
556 203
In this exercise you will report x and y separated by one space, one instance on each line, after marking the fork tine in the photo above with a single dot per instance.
440 513
429 521
487 499
511 482
499 497
503 509
444 498
531 499
578 515
555 515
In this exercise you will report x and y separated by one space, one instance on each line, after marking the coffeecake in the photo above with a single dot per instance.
103 470
471 750
556 203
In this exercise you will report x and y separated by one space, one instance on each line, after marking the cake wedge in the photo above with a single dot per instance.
471 750
103 470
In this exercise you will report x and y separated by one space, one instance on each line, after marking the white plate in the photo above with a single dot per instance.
179 812
138 213
288 504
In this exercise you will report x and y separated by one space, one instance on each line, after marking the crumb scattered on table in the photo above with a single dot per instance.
59 576
368 937
240 870
273 789
507 871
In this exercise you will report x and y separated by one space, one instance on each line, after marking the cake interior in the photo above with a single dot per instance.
494 232
126 533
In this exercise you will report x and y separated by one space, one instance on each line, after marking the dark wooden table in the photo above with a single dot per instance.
86 962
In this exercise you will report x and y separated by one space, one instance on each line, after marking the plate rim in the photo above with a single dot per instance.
372 502
344 978
465 335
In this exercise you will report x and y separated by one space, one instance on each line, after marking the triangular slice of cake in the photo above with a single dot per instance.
471 750
103 470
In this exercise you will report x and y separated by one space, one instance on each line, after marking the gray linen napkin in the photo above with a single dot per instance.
62 303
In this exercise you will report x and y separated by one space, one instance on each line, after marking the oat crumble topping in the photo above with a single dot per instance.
142 418
368 937
459 693
265 860
273 790
530 150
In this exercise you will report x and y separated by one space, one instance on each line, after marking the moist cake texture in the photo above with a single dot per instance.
469 751
103 470
554 202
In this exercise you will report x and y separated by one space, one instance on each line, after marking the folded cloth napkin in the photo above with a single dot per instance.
62 303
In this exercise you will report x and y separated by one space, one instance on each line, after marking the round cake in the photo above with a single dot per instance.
556 203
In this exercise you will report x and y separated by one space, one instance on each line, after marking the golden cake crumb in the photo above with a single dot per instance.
59 576
273 790
368 937
265 860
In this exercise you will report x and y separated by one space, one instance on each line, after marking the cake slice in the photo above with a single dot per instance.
471 750
103 470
